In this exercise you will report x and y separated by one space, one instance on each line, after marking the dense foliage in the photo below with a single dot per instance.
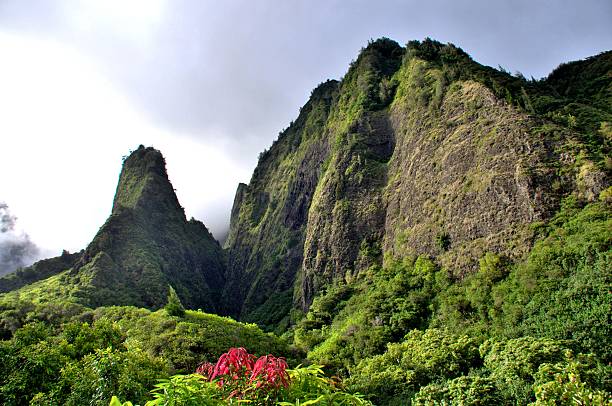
510 333
238 377
115 351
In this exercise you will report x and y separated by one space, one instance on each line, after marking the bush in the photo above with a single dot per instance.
514 363
572 381
98 376
465 390
423 357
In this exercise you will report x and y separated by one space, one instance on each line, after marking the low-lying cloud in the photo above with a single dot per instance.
16 248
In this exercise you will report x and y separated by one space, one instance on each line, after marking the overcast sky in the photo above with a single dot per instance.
211 84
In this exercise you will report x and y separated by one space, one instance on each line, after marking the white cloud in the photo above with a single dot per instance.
134 20
64 130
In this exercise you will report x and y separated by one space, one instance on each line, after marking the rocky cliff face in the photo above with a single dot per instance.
346 220
467 176
265 243
417 151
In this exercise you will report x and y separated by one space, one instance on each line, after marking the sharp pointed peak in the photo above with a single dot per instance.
144 184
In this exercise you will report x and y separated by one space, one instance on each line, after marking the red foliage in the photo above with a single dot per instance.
235 363
205 369
239 373
271 372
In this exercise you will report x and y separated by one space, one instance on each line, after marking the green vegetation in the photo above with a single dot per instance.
120 351
39 271
404 119
576 95
129 261
174 307
307 386
506 334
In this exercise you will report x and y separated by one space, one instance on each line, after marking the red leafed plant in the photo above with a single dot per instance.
241 376
205 369
234 364
270 371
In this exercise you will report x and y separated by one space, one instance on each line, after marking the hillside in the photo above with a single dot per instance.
417 150
93 354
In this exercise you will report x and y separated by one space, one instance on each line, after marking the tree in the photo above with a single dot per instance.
174 307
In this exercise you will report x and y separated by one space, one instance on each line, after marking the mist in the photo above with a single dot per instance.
16 248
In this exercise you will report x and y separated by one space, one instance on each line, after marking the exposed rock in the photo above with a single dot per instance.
265 243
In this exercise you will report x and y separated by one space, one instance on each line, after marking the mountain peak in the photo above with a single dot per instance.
147 244
144 185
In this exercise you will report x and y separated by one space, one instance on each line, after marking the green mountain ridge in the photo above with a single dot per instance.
358 165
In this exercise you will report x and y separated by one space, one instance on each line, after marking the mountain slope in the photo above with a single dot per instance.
38 271
417 150
264 246
145 245
147 242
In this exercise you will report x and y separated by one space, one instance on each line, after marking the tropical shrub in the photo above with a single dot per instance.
379 306
185 390
513 363
421 358
465 390
238 377
572 382
98 376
